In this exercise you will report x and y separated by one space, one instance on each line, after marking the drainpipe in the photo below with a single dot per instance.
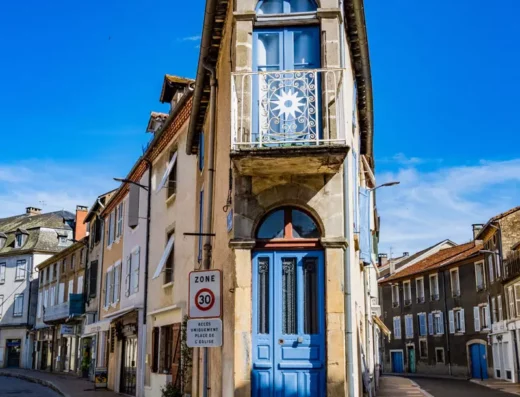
446 322
208 227
349 344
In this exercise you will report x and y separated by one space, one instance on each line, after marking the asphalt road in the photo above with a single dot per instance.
456 388
11 387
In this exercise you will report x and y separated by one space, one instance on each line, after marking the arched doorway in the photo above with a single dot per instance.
288 306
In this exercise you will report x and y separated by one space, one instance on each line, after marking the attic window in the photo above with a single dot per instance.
20 239
3 239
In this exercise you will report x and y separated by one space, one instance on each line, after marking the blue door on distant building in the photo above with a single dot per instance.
478 361
397 362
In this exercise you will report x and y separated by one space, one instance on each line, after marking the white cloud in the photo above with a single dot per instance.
50 186
428 207
402 159
190 38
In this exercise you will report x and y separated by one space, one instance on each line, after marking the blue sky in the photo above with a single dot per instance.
78 80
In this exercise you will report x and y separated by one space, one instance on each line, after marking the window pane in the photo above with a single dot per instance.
268 49
310 274
302 5
289 296
263 295
304 44
303 225
271 7
273 226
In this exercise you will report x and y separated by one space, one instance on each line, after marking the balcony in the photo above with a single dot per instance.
288 122
512 265
58 313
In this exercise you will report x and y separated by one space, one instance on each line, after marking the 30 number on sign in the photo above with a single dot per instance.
205 299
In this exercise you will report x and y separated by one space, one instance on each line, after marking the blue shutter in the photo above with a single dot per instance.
430 323
422 324
441 323
364 225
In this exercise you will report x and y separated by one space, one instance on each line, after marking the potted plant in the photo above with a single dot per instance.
169 390
85 366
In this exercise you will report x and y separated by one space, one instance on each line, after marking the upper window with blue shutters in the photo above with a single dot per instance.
266 7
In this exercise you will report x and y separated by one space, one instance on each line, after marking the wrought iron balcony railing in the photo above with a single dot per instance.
512 265
288 108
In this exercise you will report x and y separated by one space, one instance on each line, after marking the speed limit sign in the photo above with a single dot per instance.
205 294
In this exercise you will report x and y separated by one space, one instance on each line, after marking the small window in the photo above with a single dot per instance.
439 355
419 289
18 305
172 178
407 293
423 348
170 262
21 270
395 295
119 214
62 240
480 280
288 223
455 285
21 238
434 287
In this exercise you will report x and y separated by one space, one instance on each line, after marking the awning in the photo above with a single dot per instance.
94 328
382 326
164 257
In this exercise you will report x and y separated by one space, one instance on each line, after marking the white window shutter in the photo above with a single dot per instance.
136 264
164 257
128 274
411 326
430 323
452 321
441 323
462 321
488 316
79 288
476 318
167 172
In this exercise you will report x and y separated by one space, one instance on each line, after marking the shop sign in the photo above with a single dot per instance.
13 343
67 329
97 327
204 333
100 377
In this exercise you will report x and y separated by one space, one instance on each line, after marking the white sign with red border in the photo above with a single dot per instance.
205 294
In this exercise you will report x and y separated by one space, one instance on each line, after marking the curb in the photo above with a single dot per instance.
480 383
426 376
31 379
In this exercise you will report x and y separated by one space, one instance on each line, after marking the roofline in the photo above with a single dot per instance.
63 253
495 219
90 213
146 156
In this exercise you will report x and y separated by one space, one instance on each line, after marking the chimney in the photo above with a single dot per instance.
405 254
33 211
477 227
382 259
80 229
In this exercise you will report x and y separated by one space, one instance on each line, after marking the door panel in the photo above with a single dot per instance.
288 324
483 361
397 362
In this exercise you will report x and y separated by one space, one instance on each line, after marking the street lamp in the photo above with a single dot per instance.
393 183
124 180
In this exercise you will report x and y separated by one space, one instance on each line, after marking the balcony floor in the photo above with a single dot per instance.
301 160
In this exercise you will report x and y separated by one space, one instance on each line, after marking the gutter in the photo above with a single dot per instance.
205 47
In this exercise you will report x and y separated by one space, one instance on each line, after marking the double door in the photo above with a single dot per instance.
288 324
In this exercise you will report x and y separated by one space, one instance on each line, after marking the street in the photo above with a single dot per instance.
13 386
456 388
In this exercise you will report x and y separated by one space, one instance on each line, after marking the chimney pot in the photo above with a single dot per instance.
477 227
33 211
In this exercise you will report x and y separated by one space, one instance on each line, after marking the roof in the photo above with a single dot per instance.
93 210
445 257
42 231
214 22
171 84
497 218
406 260
160 141
63 253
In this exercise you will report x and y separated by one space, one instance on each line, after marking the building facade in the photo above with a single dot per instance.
285 199
439 315
25 241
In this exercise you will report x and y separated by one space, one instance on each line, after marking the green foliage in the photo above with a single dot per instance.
170 391
187 357
85 363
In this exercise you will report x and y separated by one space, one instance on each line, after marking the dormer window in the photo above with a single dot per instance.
285 6
63 238
20 238
3 239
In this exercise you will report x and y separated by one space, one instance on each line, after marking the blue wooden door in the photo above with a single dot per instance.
286 105
397 362
478 361
288 324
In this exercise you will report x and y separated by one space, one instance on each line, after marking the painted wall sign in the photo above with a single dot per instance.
204 333
205 294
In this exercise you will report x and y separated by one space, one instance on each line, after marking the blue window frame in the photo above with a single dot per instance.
285 6
201 223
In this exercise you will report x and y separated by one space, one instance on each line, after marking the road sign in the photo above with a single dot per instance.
204 333
205 294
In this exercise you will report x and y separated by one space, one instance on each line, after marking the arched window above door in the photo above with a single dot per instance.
287 223
266 7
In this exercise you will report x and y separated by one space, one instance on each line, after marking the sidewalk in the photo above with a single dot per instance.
395 386
507 387
65 384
